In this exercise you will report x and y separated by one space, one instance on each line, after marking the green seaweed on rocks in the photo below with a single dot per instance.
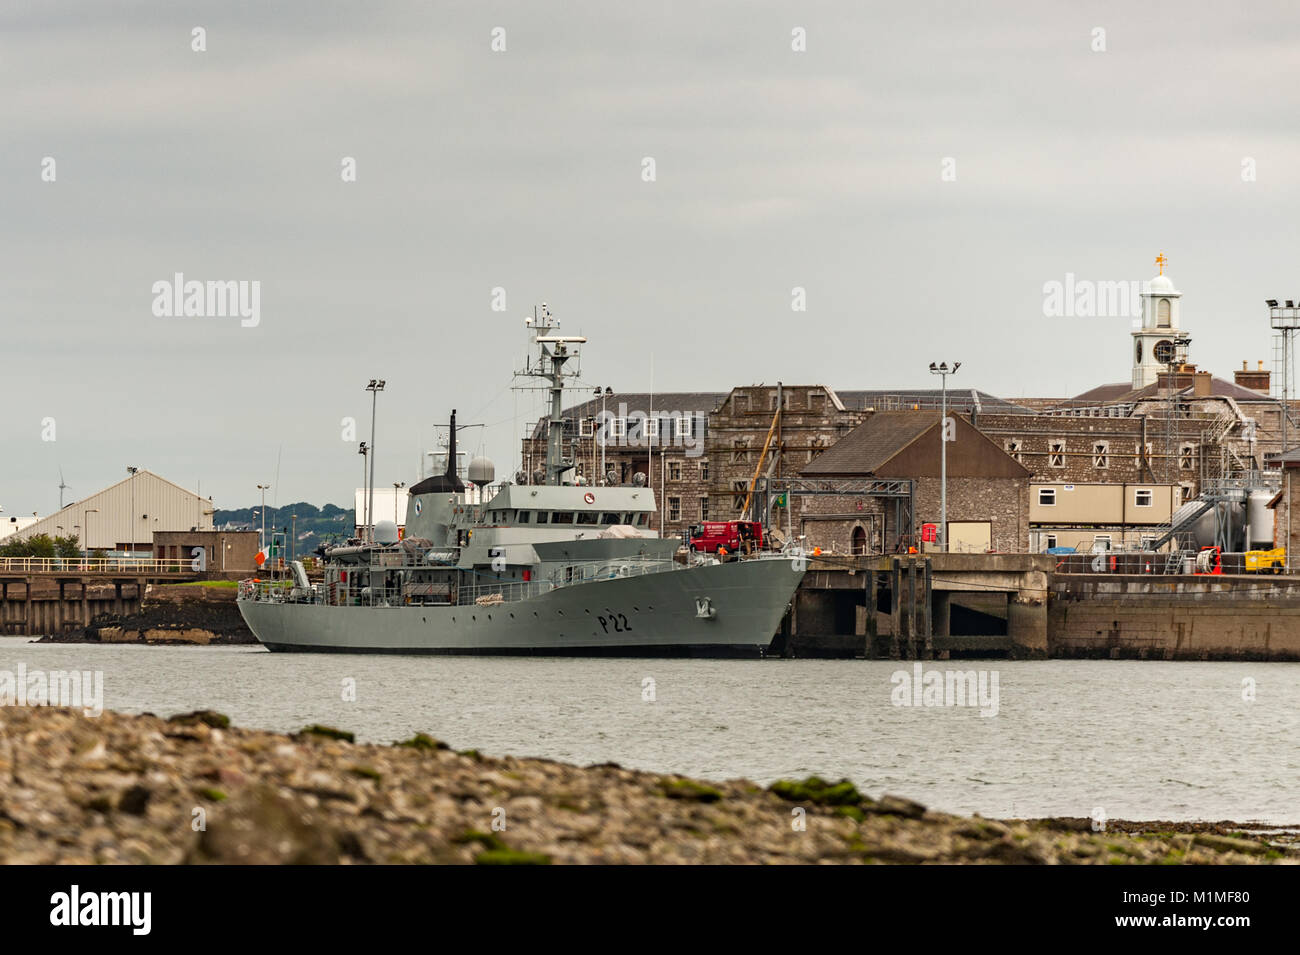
328 732
423 741
212 718
818 791
365 772
488 840
689 789
215 795
511 857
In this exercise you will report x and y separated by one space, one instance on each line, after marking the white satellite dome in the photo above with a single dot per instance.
482 471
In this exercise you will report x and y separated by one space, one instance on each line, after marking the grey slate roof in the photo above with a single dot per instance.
868 446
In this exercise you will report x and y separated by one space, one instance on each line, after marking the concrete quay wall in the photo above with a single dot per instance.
1103 616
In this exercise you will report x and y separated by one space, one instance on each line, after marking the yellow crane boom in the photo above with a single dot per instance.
744 511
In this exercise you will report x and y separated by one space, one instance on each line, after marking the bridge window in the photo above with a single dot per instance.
543 516
562 517
610 518
525 516
587 517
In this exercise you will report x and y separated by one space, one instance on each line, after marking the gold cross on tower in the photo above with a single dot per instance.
1162 262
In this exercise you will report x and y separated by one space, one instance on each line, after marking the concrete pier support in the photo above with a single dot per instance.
85 605
29 619
942 605
1027 618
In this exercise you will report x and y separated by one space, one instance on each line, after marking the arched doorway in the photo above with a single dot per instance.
859 540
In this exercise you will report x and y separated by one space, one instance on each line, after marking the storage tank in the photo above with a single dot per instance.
1259 518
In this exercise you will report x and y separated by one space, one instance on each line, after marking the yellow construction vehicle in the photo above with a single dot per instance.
1266 561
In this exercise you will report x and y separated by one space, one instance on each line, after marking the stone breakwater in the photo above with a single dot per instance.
193 789
171 614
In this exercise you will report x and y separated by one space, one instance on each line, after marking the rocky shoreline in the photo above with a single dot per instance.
193 789
171 615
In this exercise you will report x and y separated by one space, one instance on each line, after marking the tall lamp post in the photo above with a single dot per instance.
375 387
397 489
365 518
132 472
262 539
604 435
943 371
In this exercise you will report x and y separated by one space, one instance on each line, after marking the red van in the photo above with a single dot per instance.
733 535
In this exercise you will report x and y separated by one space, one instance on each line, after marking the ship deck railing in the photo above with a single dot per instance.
489 592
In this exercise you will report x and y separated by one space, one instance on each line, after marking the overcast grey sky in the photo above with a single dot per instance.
522 169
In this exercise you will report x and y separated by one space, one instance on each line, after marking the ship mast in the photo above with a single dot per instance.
556 352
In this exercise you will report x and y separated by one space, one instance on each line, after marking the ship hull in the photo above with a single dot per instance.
649 615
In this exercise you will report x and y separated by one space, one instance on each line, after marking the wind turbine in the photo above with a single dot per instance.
62 488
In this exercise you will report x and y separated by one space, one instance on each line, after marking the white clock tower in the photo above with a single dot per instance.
1160 340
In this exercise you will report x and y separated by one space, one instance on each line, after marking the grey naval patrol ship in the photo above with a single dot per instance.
547 565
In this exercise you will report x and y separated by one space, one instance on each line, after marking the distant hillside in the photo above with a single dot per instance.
314 525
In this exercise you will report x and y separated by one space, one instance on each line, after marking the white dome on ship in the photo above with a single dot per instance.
385 532
482 471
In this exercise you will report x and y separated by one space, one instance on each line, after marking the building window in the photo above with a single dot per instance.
618 427
1056 454
1143 497
674 508
704 471
1015 447
650 429
1051 540
674 470
739 450
1101 454
1047 496
684 426
740 491
704 508
1186 456
1162 313
586 427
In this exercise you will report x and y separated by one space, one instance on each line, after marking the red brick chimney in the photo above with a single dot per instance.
1254 379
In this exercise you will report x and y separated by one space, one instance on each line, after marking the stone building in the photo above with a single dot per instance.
613 438
813 419
987 489
228 553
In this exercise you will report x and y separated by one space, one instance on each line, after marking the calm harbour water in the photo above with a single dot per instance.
1141 740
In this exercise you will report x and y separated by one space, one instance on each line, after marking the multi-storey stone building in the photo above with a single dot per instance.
657 439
